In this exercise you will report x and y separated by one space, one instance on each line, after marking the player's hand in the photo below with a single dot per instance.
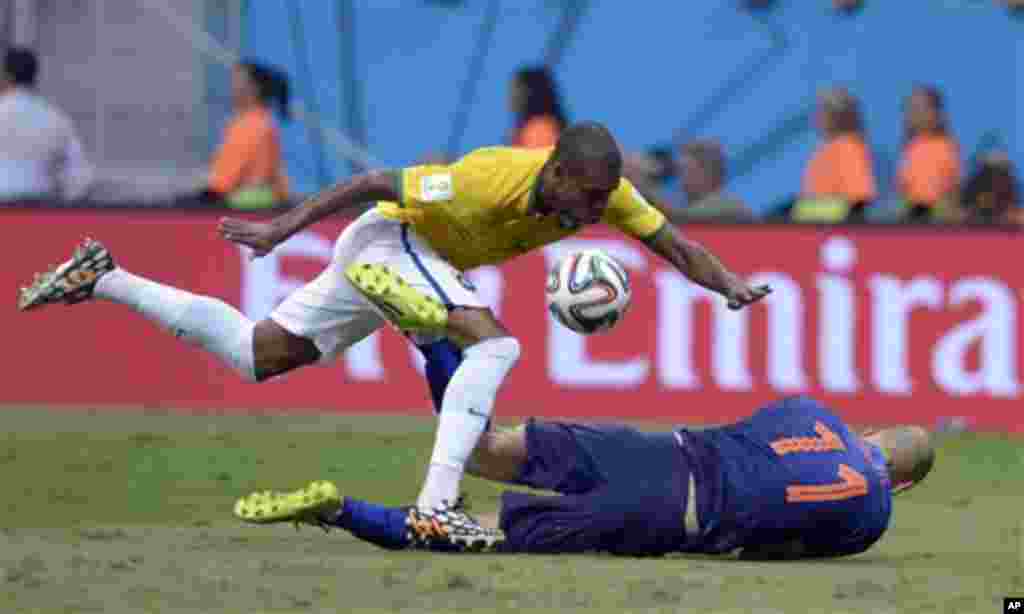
261 237
740 294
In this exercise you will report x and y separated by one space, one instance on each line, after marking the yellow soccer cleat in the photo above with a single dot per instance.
407 308
307 505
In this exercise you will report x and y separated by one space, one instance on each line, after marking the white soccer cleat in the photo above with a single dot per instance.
71 282
450 528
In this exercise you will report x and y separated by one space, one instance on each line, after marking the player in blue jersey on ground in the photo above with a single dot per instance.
792 481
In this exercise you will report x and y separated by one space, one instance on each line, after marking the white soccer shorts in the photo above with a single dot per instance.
334 315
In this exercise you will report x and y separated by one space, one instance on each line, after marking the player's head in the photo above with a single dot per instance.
584 169
20 67
255 83
909 454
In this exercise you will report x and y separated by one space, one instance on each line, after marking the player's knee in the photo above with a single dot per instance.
470 325
277 351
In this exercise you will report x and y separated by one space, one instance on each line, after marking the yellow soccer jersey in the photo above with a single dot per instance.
476 211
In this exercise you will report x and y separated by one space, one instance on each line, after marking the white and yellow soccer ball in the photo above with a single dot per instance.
588 291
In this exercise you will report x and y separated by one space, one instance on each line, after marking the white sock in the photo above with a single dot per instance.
465 411
209 323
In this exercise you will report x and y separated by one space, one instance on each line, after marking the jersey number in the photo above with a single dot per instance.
851 482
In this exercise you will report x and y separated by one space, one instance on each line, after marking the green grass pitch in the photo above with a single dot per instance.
129 511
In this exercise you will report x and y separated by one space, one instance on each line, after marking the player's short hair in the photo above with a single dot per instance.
589 142
21 66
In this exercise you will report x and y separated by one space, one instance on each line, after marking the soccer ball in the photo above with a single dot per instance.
588 291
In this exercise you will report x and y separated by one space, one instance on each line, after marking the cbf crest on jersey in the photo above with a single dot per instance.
435 188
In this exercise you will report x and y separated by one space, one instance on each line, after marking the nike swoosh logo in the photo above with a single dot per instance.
473 412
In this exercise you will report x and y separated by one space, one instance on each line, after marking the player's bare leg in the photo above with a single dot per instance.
255 350
499 456
277 351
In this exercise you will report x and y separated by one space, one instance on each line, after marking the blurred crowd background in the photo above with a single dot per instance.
823 111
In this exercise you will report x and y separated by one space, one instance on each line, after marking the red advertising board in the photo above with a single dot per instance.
886 325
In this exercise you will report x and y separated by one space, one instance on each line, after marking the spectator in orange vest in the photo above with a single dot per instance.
247 171
537 107
929 175
838 183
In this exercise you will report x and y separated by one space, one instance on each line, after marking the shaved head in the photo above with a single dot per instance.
580 176
589 145
909 452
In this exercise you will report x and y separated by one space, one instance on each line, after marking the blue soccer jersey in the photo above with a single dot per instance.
792 473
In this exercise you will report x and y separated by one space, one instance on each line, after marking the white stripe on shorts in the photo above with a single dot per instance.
690 523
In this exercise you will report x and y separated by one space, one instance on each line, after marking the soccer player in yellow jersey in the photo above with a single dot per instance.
402 263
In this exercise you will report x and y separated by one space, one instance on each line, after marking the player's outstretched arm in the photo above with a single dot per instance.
703 268
262 237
